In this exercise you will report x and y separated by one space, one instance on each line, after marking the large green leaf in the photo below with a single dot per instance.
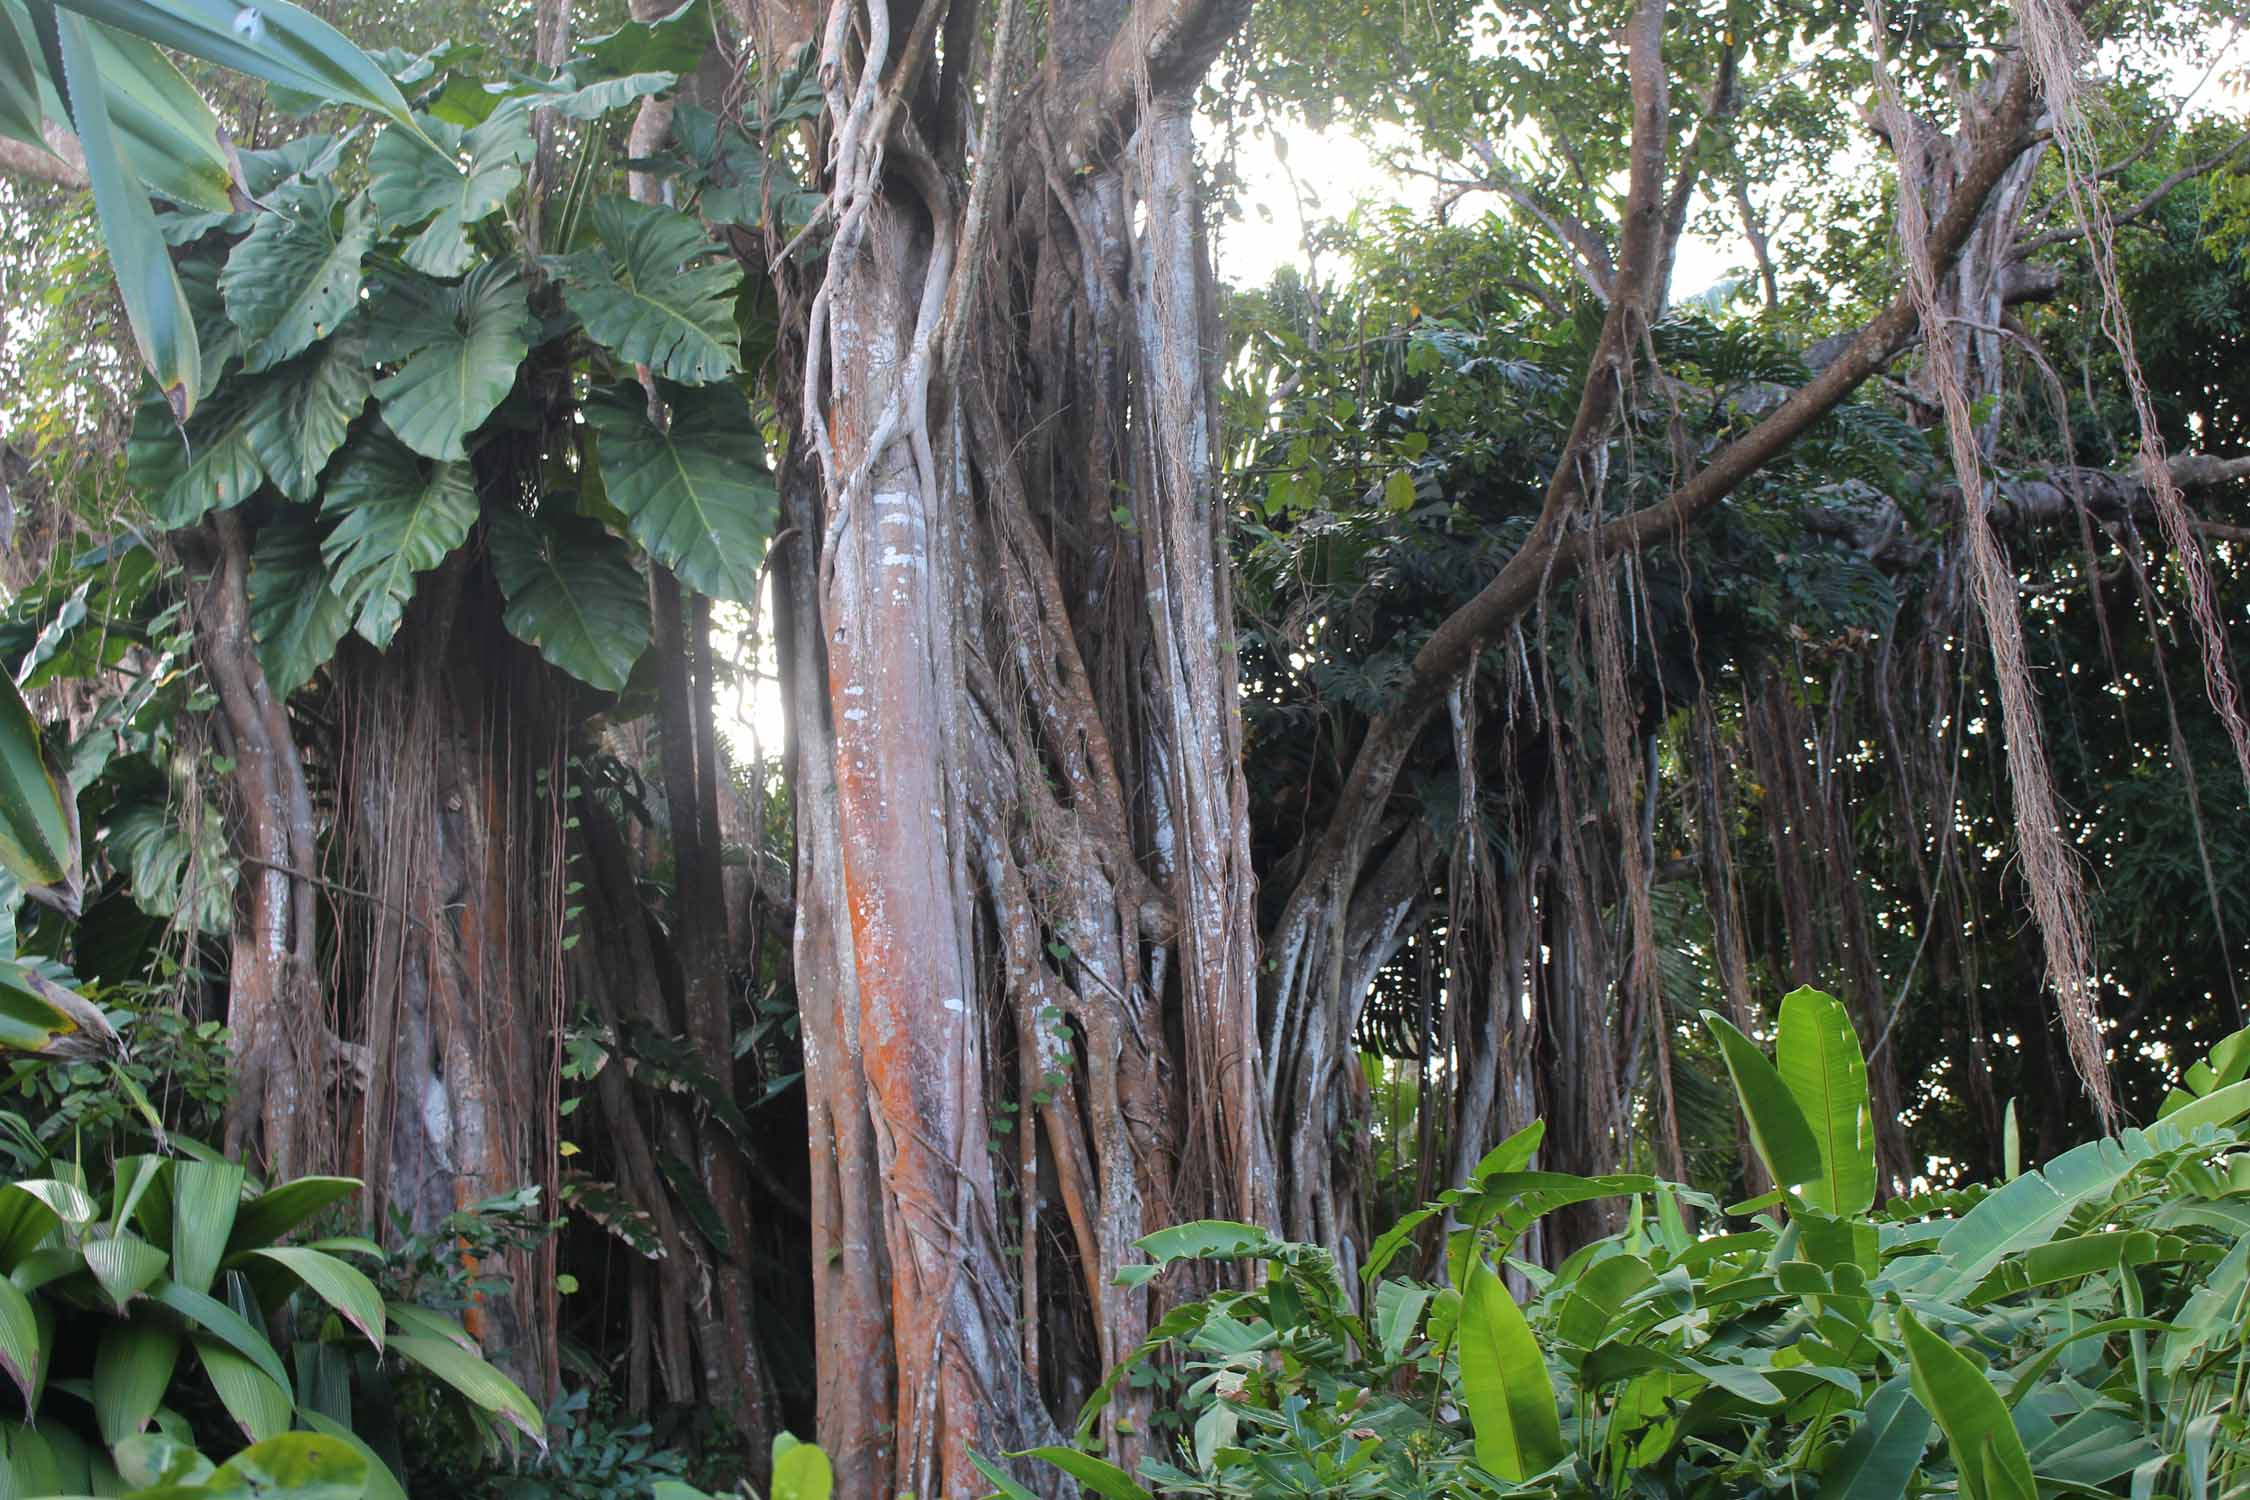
205 1198
696 494
1504 1382
396 517
658 292
278 1210
38 814
23 1353
299 1465
475 1379
572 592
1816 1051
155 305
382 1484
341 1285
467 180
309 410
2025 1213
259 1407
457 348
124 1265
1103 1478
1885 1450
294 612
1987 1453
671 43
1778 1129
209 465
214 1317
294 278
800 1470
272 40
132 1366
21 110
168 132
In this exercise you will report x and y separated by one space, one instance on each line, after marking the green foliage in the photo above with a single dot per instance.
2074 1331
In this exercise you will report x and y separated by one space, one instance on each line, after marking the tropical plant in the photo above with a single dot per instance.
2071 1330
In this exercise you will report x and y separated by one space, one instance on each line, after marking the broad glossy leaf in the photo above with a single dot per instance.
382 1484
309 409
272 40
1987 1452
299 1465
1778 1128
696 495
168 132
1816 1051
670 43
800 1471
295 614
1205 1239
572 591
475 1379
152 1459
132 1366
590 101
2026 1212
211 465
205 1199
277 1211
124 1265
1103 1478
1504 1382
457 348
341 1285
467 180
23 1353
396 516
25 1221
39 1015
38 813
216 1318
1398 1312
259 1407
1879 1461
422 1323
658 292
294 278
155 305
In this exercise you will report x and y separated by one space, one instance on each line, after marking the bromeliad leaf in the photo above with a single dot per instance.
309 409
572 592
396 517
170 136
451 190
457 348
295 277
658 293
695 494
294 612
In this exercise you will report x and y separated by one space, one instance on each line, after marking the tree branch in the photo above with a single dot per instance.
62 164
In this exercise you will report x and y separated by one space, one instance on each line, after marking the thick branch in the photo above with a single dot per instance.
61 164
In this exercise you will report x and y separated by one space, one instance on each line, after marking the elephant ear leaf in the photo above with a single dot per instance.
572 592
695 493
38 809
445 192
456 349
658 292
295 614
314 399
295 277
396 517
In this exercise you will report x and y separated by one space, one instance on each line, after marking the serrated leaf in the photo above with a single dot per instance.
396 517
295 278
659 292
458 349
572 592
309 408
696 495
448 191
294 613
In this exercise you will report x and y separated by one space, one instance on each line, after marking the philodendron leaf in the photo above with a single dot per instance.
210 465
396 516
309 408
572 591
696 494
449 190
457 349
1816 1051
1504 1382
658 292
294 612
295 277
